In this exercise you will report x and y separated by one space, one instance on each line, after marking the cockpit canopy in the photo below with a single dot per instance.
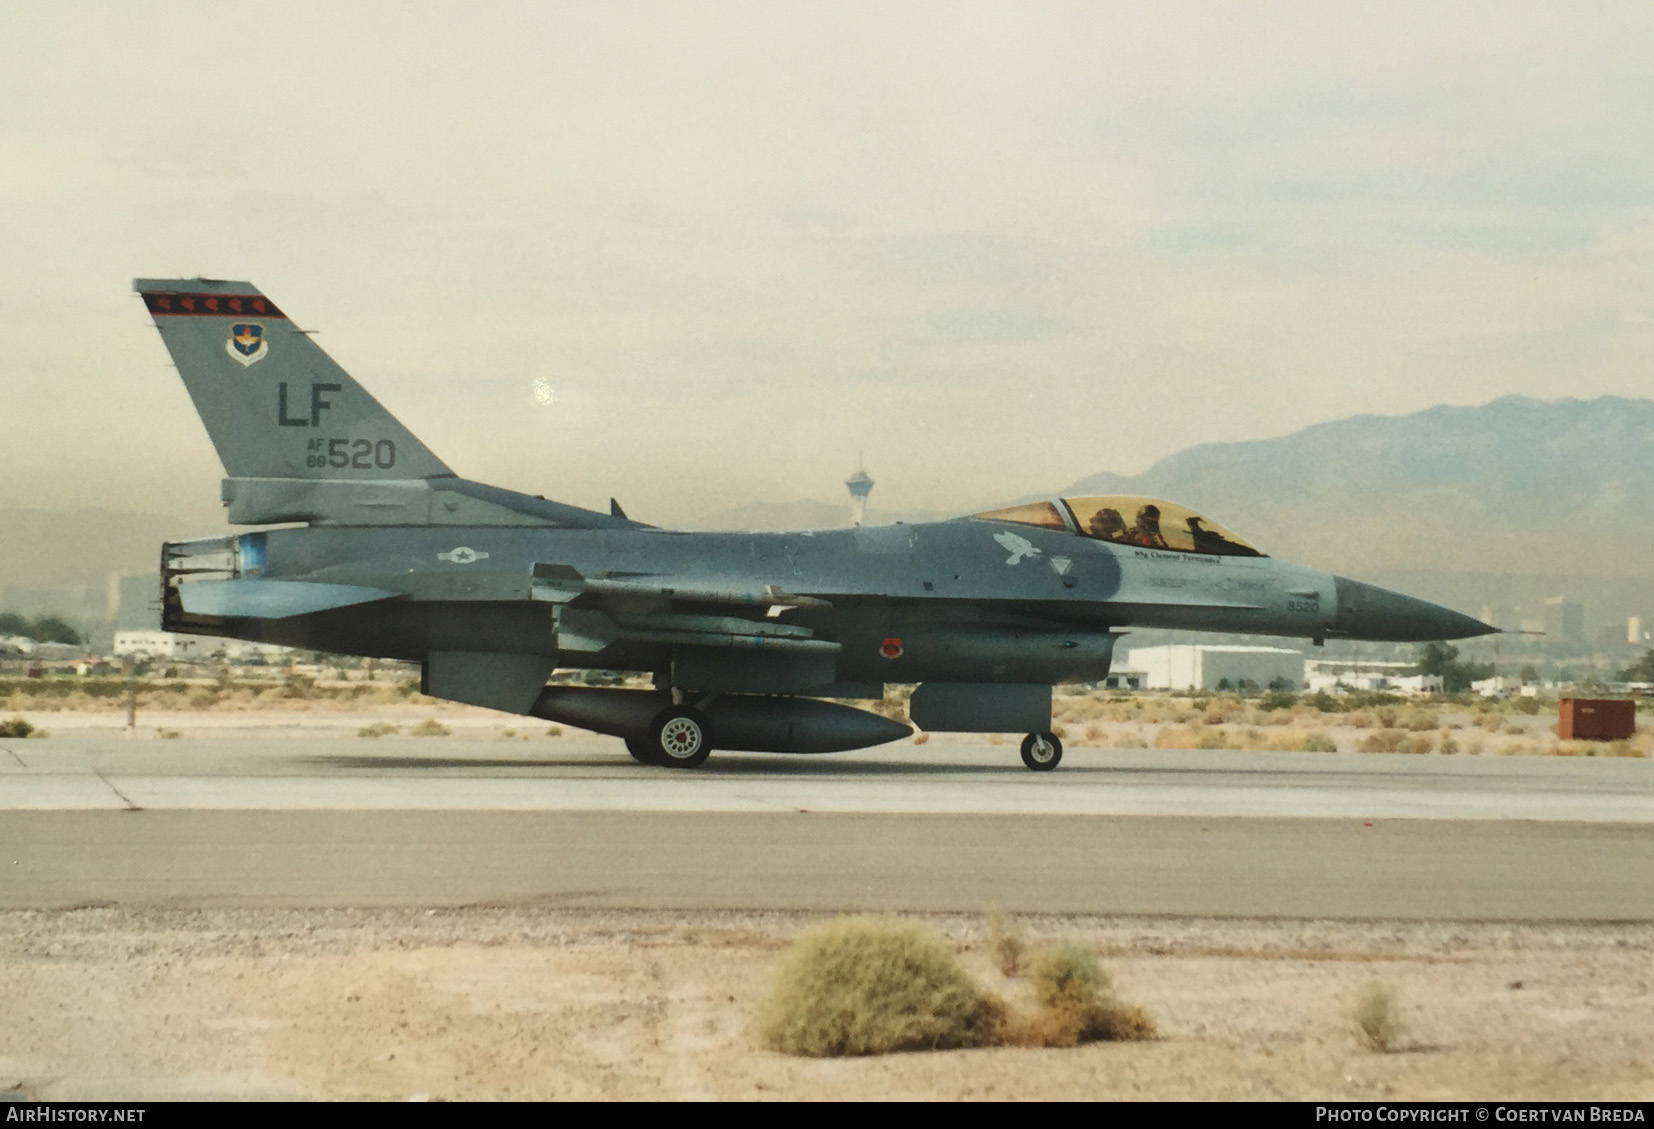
1148 523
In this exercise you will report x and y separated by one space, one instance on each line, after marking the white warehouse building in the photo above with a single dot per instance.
191 648
1211 667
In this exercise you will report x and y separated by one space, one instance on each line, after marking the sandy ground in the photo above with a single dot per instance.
529 1003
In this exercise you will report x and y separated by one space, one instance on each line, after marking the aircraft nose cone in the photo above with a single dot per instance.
1366 611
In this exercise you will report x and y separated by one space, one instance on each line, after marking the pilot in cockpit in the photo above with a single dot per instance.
1147 530
1108 525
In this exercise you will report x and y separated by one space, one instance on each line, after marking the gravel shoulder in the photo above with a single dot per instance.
481 1003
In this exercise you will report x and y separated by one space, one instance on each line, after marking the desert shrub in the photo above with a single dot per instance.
16 727
1447 745
167 734
1325 702
865 986
1174 737
1222 711
1416 720
1384 741
1319 743
1377 1016
1076 1002
1131 739
377 729
1278 700
1419 743
1360 719
430 727
1370 699
554 731
1066 974
1529 706
1005 942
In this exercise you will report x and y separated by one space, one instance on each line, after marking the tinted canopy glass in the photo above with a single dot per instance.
1154 524
1148 523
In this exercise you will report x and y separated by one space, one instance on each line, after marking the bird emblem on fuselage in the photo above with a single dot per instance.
1017 546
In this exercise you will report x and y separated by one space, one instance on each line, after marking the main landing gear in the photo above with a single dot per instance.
1041 751
679 737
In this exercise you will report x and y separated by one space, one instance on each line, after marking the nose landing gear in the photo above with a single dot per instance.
1041 751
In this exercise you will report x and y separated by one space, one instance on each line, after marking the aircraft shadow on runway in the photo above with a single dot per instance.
730 764
820 766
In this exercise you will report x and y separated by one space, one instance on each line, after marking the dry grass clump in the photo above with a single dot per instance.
16 727
1597 749
377 729
1187 737
1396 741
430 727
1377 1016
867 986
1005 941
1076 1002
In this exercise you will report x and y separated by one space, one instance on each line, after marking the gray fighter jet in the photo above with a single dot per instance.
491 591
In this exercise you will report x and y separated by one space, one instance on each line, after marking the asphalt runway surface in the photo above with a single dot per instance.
325 820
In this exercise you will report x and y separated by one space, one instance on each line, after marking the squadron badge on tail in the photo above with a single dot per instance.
246 343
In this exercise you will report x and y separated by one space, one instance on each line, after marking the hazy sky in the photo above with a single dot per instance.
994 247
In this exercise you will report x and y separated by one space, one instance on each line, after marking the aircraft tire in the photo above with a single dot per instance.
641 750
679 737
1041 751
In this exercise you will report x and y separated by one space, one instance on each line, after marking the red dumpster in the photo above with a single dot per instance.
1597 719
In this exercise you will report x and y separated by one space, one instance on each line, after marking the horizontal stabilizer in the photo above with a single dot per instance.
272 599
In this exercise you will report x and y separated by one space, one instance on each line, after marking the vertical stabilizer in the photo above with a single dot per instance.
274 404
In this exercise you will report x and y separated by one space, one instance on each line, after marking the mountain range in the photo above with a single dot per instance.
1514 485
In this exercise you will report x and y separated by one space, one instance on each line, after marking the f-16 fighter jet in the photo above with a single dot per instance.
750 638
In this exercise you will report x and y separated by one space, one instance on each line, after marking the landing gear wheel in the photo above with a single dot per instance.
641 749
1041 751
680 738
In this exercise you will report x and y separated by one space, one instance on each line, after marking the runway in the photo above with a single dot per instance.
330 820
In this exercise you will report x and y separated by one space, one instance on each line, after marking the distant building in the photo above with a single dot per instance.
1213 667
1333 675
860 486
1122 679
150 645
16 645
1564 620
